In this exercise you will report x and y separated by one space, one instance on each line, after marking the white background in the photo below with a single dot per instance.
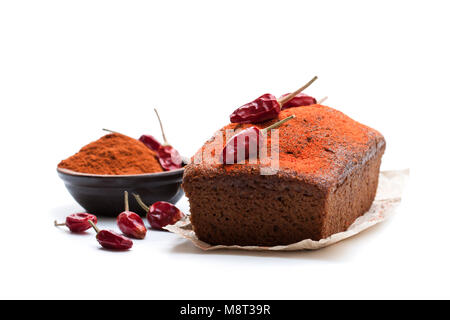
70 68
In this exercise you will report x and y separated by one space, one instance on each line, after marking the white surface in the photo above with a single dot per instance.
68 69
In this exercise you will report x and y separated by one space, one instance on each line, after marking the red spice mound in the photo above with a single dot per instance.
113 154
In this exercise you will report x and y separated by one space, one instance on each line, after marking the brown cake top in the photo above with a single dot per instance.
320 143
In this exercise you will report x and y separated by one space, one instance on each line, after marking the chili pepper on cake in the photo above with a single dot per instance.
300 100
266 107
246 143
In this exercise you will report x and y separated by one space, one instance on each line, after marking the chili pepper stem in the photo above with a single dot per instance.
140 202
110 131
97 230
59 224
322 100
283 100
277 124
162 129
127 205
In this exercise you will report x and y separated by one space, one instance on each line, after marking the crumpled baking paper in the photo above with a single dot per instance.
388 197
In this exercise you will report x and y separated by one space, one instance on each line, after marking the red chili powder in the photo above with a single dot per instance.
113 154
318 141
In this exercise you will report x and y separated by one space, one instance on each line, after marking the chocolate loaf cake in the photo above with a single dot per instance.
327 176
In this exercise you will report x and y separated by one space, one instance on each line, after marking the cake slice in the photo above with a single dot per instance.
327 176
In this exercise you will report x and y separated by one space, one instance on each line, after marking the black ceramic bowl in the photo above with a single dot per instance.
103 194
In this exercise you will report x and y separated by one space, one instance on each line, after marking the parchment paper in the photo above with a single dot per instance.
390 187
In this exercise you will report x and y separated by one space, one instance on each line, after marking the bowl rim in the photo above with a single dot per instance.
115 176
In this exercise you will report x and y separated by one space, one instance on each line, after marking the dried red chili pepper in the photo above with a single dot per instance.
169 157
264 108
161 213
150 142
78 222
261 109
299 100
246 143
130 223
243 145
111 240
